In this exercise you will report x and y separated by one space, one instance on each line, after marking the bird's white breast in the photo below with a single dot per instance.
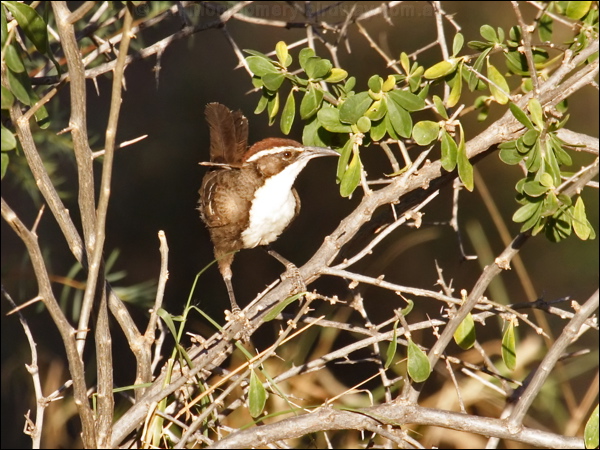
273 208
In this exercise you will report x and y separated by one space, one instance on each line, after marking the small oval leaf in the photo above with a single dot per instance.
419 367
499 88
464 336
520 115
391 351
355 107
407 100
257 396
590 435
336 75
509 347
441 69
425 132
260 66
288 114
351 177
465 169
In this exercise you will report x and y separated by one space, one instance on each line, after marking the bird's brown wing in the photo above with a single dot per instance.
220 205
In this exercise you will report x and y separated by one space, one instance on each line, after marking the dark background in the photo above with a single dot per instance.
155 187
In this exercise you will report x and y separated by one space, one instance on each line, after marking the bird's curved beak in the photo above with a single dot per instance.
315 152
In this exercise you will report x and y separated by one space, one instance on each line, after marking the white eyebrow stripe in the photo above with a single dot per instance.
273 151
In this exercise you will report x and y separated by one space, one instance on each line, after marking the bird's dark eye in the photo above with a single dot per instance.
287 155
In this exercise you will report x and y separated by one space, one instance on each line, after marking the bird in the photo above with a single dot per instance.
247 198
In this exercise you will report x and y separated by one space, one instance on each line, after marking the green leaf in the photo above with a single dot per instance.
457 43
260 66
414 80
344 159
31 23
273 107
545 24
576 10
281 50
562 156
510 156
351 177
363 124
488 33
3 27
256 53
473 81
551 165
419 367
536 113
534 188
168 320
391 351
4 166
273 313
441 69
580 221
389 127
336 75
349 84
375 83
408 308
355 107
425 132
304 55
262 103
509 347
464 336
456 91
590 435
13 59
272 81
534 159
377 110
7 99
546 180
439 106
329 118
378 129
399 119
8 139
530 137
389 83
405 62
257 395
465 169
526 212
407 100
288 114
19 86
317 68
520 115
550 205
310 102
499 88
449 152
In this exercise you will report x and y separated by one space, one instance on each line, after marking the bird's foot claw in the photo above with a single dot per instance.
240 323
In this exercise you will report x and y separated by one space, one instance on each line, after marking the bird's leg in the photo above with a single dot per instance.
291 269
236 317
225 269
235 309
